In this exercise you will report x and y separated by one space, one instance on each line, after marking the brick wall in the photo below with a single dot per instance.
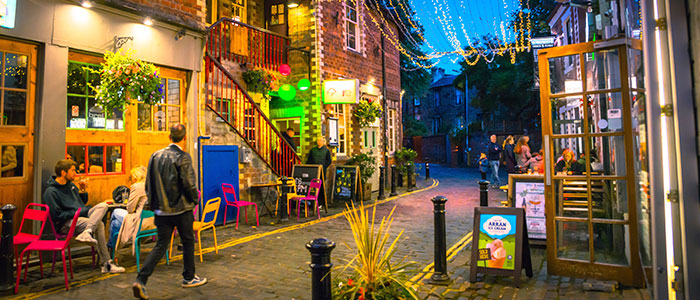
191 13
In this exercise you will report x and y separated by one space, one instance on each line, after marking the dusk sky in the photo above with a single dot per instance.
478 17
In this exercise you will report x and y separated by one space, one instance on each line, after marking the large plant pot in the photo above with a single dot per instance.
367 192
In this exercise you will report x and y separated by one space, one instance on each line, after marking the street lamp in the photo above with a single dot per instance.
292 3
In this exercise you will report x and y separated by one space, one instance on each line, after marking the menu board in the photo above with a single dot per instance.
303 174
526 191
345 184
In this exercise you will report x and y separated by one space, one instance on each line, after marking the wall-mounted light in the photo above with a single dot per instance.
148 21
180 34
292 3
87 3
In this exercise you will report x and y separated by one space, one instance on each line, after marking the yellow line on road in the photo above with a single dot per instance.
451 254
228 244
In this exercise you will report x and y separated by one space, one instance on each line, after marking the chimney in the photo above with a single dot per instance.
438 73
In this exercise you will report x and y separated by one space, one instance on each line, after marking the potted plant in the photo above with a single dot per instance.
404 161
123 79
367 111
259 81
367 164
372 274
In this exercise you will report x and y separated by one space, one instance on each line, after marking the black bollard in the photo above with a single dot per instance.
440 276
483 193
6 253
411 184
320 249
283 201
393 181
381 183
427 170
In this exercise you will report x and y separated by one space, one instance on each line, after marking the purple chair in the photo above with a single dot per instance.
312 195
228 189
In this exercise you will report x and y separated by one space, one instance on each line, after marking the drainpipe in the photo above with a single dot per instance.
200 181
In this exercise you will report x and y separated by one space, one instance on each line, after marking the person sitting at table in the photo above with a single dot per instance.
125 222
64 198
568 164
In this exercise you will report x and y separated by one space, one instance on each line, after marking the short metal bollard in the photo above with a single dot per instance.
440 276
381 183
483 193
393 180
283 203
427 170
320 249
6 253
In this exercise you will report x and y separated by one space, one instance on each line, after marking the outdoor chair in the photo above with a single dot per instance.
211 207
32 214
63 236
228 189
312 195
50 245
292 193
145 214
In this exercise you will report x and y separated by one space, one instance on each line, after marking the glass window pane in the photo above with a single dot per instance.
609 199
76 79
173 91
635 61
610 243
77 154
159 118
567 115
572 241
564 75
76 112
607 155
16 71
95 159
571 198
116 121
174 115
96 115
12 163
14 108
602 70
93 80
562 159
164 82
144 117
114 159
605 112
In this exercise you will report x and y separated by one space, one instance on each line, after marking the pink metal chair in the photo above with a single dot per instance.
32 214
228 189
59 236
312 195
50 245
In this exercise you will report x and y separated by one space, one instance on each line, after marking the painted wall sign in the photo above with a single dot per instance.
343 91
8 11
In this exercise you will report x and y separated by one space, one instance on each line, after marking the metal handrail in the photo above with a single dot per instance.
230 20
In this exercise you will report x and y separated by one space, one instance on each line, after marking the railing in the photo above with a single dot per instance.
242 43
236 108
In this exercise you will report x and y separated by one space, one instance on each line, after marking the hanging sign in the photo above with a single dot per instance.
500 244
333 132
527 191
343 91
8 11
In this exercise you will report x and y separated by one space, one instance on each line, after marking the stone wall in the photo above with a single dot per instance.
191 13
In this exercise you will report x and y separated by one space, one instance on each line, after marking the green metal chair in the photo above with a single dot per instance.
146 233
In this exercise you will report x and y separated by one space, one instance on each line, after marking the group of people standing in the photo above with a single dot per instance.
517 158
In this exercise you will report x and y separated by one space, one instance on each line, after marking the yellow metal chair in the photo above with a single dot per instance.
212 206
289 195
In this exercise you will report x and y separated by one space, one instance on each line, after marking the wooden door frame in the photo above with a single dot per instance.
631 274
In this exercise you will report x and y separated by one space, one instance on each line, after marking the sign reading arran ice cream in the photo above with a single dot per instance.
500 246
344 91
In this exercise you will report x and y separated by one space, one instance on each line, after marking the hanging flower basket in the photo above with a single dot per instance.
367 111
259 81
124 80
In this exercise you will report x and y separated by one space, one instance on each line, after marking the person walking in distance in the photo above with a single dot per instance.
170 186
494 155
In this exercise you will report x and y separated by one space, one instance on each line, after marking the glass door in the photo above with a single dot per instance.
586 99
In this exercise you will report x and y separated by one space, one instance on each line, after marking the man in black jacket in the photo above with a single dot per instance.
320 155
64 198
170 186
494 155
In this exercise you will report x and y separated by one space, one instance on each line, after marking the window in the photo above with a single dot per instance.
159 117
13 92
393 133
437 99
235 9
277 14
293 123
339 110
416 113
460 122
436 125
83 110
96 159
351 22
12 161
369 134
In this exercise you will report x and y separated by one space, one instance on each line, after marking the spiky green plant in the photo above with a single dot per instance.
373 276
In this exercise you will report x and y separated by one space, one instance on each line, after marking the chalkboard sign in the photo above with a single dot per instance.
500 245
303 174
346 183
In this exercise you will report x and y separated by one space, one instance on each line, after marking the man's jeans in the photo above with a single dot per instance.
94 223
165 224
494 172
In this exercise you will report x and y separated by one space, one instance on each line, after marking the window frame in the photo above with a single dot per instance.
87 98
342 128
104 161
392 129
25 90
25 146
437 99
355 23
165 104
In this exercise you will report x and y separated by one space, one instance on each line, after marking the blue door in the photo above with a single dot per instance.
219 165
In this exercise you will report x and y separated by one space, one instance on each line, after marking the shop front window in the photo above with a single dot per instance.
168 111
12 161
82 108
96 159
13 92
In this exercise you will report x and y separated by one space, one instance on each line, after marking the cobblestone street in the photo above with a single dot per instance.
271 262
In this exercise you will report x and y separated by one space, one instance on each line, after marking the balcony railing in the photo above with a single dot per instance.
238 42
